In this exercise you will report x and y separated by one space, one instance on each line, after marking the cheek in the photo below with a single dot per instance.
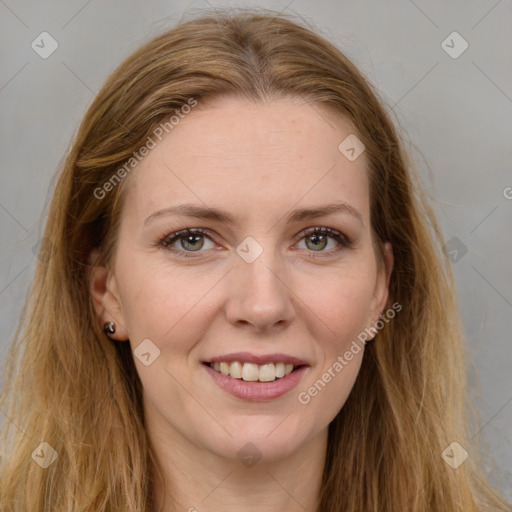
158 302
345 307
343 303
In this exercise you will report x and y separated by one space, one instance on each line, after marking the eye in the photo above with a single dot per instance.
188 240
317 239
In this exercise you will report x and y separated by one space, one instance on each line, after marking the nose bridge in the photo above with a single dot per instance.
258 294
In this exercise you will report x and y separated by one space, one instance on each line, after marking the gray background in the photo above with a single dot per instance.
457 111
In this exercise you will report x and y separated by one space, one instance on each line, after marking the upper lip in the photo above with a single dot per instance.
248 357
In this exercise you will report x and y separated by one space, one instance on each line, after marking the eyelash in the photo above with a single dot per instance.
166 241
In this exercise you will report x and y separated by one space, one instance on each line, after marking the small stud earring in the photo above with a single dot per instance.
109 328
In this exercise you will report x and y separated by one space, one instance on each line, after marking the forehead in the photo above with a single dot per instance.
249 156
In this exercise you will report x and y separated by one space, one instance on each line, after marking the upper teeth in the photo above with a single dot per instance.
253 372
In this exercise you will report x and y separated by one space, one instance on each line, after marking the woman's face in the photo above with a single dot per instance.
256 285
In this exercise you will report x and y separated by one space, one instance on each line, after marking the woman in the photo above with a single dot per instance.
242 304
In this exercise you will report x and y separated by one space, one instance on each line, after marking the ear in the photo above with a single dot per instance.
381 291
105 297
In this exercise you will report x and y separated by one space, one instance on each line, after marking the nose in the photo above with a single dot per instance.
259 296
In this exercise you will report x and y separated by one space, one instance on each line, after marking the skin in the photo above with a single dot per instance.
257 162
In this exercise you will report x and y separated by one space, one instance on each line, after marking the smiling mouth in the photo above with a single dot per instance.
251 372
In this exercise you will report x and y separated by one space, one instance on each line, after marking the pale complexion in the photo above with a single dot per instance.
259 163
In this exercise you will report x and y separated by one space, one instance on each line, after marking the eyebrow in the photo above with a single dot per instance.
200 212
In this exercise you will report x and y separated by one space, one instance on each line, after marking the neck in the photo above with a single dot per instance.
195 480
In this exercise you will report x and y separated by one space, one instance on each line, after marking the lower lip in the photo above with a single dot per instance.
257 391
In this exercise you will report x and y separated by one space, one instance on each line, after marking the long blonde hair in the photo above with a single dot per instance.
67 385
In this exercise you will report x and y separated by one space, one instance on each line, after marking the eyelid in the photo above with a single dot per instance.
333 233
170 238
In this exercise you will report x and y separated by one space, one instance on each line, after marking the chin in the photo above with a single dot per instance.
266 439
